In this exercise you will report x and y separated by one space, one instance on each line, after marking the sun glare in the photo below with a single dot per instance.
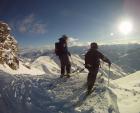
126 27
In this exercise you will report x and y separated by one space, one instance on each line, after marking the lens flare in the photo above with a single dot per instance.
126 27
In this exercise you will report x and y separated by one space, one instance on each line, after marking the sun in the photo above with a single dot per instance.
126 27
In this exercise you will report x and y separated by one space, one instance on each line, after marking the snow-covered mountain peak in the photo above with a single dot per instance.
46 64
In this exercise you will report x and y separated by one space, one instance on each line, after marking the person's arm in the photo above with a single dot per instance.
104 58
69 53
66 50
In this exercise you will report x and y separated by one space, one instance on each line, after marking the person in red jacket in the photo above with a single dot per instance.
92 63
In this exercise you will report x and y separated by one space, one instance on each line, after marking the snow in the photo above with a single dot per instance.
128 93
22 70
24 91
131 81
46 64
43 94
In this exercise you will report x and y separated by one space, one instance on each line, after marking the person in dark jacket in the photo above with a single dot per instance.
92 63
64 57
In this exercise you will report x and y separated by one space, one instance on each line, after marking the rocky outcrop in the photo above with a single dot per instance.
8 47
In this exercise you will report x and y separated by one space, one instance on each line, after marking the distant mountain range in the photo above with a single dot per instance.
124 55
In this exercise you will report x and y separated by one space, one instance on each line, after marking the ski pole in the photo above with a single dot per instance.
71 59
52 56
78 72
75 66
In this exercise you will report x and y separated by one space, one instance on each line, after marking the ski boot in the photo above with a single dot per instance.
68 75
61 76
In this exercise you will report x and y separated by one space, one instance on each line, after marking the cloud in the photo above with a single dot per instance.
30 24
73 41
76 42
39 28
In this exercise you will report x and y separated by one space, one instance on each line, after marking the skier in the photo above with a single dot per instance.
64 55
92 63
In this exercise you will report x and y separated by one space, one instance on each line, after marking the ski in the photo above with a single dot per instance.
78 71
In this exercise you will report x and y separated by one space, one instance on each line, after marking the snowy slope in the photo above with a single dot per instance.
46 64
131 81
115 71
128 93
51 64
22 70
47 93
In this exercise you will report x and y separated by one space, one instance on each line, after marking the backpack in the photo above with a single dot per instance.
58 48
88 61
92 59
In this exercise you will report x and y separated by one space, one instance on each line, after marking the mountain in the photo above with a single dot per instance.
124 55
46 64
130 60
51 65
34 53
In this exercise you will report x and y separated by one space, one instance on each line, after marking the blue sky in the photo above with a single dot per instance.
42 22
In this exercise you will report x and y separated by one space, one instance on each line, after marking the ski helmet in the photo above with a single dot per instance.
94 45
63 38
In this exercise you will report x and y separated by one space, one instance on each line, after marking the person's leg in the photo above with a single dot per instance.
89 82
68 69
62 66
68 65
62 70
91 79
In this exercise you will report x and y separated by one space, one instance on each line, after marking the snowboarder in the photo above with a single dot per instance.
92 63
64 55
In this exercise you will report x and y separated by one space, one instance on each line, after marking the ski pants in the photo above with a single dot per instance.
91 78
65 64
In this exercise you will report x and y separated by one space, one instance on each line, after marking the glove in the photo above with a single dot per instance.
88 66
69 54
